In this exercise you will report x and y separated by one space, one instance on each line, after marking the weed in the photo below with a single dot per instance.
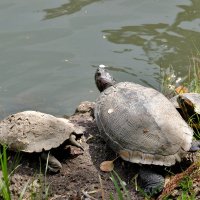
194 122
4 182
168 86
120 187
7 173
193 82
186 185
32 187
168 82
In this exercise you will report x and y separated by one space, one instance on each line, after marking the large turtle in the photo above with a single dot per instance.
32 131
142 126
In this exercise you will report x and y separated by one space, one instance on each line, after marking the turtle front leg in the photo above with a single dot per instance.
195 146
150 181
73 141
53 164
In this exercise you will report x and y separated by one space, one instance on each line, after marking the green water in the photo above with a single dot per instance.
49 49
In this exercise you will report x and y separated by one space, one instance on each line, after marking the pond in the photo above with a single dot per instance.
49 50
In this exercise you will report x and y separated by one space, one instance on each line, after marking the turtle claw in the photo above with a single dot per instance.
73 141
195 146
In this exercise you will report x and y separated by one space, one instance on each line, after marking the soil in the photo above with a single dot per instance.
80 177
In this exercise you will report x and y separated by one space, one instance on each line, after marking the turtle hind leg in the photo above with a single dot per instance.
74 142
53 164
150 181
195 146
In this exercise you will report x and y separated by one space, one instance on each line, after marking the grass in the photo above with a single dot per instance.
193 82
4 182
120 187
170 80
41 191
5 192
186 186
187 189
194 122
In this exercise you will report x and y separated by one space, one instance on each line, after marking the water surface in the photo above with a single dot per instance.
49 49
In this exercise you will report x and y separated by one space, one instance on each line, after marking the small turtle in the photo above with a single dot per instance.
32 131
188 104
142 126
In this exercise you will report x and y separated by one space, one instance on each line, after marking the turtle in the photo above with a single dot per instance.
34 131
188 104
142 126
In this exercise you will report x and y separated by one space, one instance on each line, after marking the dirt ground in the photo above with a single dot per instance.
80 177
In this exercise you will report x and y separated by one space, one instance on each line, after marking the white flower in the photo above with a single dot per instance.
171 87
178 80
173 76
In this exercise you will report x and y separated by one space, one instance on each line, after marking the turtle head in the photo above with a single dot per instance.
103 79
186 106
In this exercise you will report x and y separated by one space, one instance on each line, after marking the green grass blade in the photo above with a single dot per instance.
4 166
15 162
12 172
46 192
5 183
123 186
119 192
111 196
24 190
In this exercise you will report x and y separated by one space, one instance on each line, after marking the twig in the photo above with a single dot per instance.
171 185
102 190
88 196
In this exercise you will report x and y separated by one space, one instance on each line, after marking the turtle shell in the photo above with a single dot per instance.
142 125
32 131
